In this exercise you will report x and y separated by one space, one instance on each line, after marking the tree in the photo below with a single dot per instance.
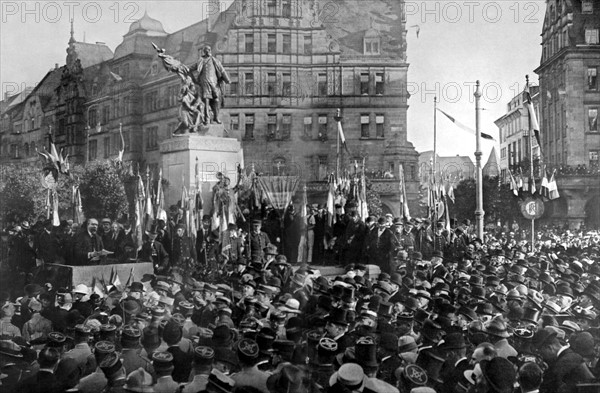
373 200
499 203
24 197
102 192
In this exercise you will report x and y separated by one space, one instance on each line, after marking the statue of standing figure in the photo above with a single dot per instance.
211 78
200 104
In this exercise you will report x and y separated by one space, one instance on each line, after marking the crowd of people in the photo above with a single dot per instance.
420 307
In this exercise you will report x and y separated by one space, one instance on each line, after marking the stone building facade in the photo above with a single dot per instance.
292 64
569 106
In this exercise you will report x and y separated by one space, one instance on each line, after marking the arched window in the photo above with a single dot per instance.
26 150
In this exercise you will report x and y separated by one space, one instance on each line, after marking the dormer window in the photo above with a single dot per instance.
371 42
154 69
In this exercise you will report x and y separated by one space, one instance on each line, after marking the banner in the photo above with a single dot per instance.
279 190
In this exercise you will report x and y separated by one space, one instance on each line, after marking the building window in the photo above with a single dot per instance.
587 7
126 141
379 90
154 69
105 114
271 126
271 84
92 118
172 95
287 43
307 132
93 149
323 127
286 126
249 43
94 89
322 84
234 121
592 78
364 125
371 46
364 83
271 43
249 130
307 44
591 36
379 122
593 156
234 85
125 71
26 149
271 7
106 147
151 138
286 8
152 101
593 119
249 83
286 88
323 163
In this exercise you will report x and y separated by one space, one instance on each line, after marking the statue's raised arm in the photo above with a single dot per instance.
171 64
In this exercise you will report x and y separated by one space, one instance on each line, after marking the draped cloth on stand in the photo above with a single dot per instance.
279 190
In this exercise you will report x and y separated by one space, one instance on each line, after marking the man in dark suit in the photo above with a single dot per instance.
45 380
182 248
48 245
154 251
565 367
380 244
113 238
89 245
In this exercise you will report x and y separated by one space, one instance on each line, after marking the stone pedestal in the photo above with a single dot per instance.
214 154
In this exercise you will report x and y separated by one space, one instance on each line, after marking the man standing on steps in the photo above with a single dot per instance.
211 77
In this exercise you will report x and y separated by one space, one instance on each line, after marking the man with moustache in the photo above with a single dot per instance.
88 245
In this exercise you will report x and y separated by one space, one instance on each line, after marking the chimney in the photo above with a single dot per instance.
56 66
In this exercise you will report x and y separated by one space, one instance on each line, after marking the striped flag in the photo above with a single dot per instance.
552 188
513 184
533 122
464 127
342 136
405 213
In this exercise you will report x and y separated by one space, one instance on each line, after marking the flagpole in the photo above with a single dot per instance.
434 136
479 213
338 118
531 166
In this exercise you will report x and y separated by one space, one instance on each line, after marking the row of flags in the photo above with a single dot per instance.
548 188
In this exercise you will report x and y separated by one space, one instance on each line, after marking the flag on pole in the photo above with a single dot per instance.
331 201
533 122
544 191
77 207
161 214
55 218
553 188
403 199
464 127
149 208
342 136
514 186
139 213
451 193
363 206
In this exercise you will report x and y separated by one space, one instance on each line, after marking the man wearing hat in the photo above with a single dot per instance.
454 349
163 366
354 238
336 328
250 375
202 367
566 368
154 251
322 364
379 244
44 380
257 242
181 249
82 352
47 244
132 355
497 332
231 246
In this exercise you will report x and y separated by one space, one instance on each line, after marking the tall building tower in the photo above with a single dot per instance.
569 105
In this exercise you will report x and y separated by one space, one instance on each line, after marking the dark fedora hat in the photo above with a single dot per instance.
499 373
497 327
432 364
431 330
542 336
452 341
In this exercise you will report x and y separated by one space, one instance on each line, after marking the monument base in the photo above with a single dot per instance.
208 151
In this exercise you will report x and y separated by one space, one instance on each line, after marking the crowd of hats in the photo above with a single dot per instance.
390 332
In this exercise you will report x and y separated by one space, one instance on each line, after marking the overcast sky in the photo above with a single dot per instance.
497 42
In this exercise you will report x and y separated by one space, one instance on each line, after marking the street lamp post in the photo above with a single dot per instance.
479 213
